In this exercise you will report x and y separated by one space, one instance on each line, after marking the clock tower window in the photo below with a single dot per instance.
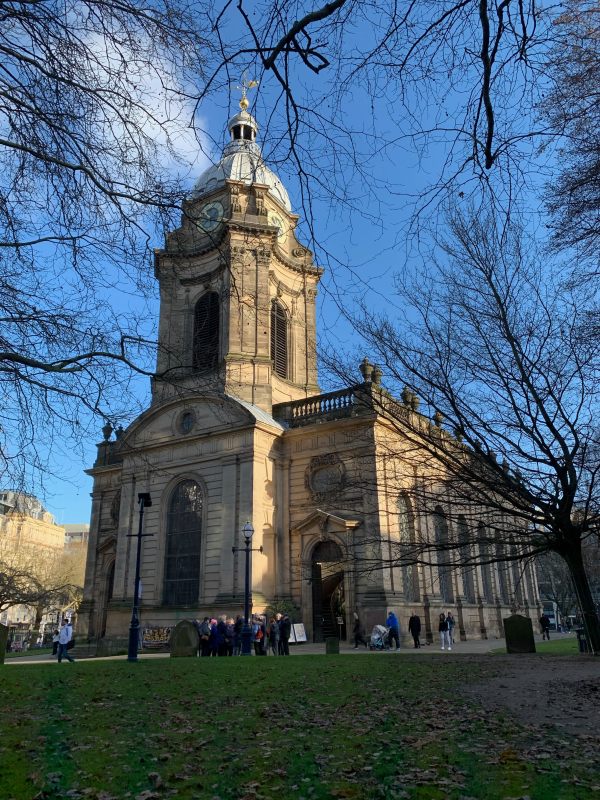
205 355
279 339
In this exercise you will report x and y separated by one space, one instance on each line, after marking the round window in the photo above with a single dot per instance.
186 422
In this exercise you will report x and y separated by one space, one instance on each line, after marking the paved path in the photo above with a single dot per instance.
478 646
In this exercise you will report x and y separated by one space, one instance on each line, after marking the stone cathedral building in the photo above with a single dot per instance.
238 431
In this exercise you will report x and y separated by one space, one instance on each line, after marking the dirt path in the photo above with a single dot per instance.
543 690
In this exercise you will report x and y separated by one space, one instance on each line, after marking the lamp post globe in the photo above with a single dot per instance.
248 532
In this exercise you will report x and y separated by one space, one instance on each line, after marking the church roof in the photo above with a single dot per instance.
258 414
241 161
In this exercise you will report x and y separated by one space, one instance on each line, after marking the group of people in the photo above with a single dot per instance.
446 630
223 636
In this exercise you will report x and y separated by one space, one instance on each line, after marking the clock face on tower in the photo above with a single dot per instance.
210 216
277 222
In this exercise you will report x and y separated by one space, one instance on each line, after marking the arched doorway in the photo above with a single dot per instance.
328 598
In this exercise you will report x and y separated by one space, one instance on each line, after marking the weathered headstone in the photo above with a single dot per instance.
3 641
518 632
184 639
332 645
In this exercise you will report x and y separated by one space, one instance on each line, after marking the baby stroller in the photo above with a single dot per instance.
379 638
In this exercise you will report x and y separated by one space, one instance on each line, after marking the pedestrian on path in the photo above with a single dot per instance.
444 635
545 626
358 633
451 624
414 626
394 630
64 637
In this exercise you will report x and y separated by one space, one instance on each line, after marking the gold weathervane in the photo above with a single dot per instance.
245 85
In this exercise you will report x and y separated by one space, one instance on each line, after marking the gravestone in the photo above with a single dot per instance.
332 645
184 639
3 641
518 632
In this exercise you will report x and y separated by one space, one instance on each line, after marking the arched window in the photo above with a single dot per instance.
279 339
410 580
205 347
465 559
518 574
487 586
440 526
502 568
184 531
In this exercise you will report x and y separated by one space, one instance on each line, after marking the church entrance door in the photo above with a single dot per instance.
328 598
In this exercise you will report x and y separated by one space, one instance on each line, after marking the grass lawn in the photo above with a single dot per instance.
249 728
555 647
35 651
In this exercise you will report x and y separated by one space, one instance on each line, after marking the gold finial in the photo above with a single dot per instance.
246 84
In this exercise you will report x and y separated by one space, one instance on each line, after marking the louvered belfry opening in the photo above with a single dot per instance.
206 333
279 340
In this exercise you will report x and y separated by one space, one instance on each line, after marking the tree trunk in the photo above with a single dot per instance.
591 621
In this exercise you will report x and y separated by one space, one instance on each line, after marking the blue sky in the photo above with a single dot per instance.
361 208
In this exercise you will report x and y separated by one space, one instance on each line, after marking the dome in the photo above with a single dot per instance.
242 161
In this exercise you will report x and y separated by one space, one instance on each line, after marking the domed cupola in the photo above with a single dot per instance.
242 161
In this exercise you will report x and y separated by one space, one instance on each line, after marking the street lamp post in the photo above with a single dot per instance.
134 626
248 532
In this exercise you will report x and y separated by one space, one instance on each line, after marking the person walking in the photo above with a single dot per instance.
451 623
55 637
443 629
64 637
414 626
394 630
285 631
358 633
545 626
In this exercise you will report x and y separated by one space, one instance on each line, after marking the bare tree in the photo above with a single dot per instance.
96 98
34 577
572 110
488 338
555 583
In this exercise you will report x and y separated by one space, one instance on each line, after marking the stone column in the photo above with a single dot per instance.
282 484
124 546
229 585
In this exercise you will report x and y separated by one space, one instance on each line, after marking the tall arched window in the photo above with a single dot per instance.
467 568
440 525
410 581
487 585
518 574
184 532
502 568
279 339
205 347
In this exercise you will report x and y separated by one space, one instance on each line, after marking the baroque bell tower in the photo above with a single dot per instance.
237 289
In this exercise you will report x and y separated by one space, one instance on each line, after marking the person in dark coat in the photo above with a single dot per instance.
414 626
204 632
358 633
444 634
214 638
285 631
274 635
237 635
545 626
